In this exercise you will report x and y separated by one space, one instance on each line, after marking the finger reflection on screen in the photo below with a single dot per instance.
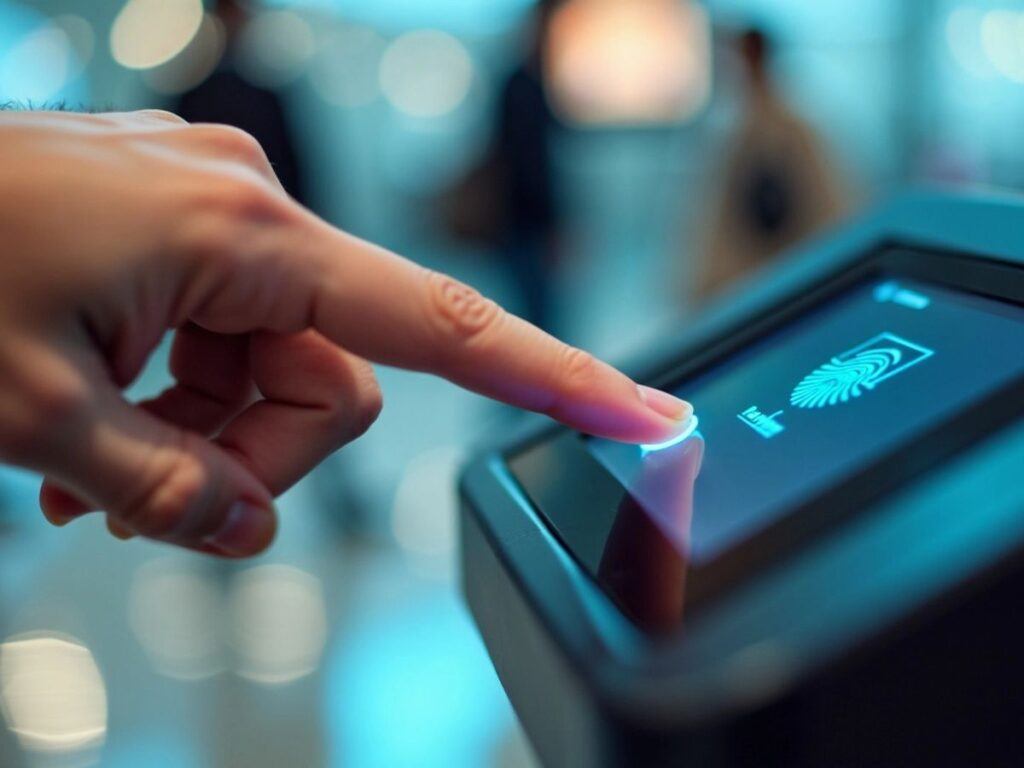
645 557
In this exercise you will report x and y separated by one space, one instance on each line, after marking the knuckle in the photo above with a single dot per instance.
459 312
236 143
578 368
246 200
220 213
210 243
177 486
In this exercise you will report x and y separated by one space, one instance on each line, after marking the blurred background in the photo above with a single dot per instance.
601 166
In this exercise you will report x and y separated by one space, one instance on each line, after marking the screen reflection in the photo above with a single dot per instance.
644 562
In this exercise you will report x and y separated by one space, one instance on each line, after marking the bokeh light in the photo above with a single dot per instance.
275 48
426 73
175 613
344 70
147 33
52 694
987 44
1002 38
82 38
620 61
40 65
278 623
425 507
963 36
195 62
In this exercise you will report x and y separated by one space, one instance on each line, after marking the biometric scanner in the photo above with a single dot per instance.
827 569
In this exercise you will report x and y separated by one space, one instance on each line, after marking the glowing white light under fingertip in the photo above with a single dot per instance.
688 430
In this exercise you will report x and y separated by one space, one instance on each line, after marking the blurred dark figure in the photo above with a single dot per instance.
523 135
777 185
226 97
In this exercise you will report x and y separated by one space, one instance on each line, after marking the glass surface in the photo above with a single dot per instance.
796 413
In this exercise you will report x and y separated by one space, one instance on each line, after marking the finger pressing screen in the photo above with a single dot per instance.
384 308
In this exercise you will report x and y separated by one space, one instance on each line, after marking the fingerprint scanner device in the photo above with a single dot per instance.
826 567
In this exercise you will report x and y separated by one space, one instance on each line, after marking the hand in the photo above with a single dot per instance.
118 227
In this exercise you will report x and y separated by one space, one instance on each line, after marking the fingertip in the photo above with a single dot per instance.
60 507
671 431
674 409
651 430
628 413
248 529
669 416
118 530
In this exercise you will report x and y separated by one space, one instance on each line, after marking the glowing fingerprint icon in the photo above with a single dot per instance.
858 370
841 380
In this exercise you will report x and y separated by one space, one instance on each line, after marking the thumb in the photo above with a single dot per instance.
162 482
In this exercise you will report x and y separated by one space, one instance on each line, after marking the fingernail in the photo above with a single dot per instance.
665 404
247 529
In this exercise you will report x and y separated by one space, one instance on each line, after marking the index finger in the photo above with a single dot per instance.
388 309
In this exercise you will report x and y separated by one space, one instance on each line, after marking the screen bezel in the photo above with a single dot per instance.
564 453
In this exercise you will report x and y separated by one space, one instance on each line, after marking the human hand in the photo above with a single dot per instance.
117 227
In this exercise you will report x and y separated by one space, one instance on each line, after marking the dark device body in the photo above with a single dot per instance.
892 635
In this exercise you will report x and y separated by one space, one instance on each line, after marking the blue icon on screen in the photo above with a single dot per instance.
891 291
847 376
767 425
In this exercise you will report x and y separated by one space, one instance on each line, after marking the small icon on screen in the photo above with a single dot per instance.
767 425
847 376
891 291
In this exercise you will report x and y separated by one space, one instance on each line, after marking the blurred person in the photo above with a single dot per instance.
776 186
227 97
119 227
524 128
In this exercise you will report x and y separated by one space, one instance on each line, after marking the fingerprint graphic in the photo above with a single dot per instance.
844 378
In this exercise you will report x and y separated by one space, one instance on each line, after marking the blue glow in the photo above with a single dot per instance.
688 430
410 684
849 375
767 425
894 292
27 78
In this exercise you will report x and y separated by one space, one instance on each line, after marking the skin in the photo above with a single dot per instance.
118 227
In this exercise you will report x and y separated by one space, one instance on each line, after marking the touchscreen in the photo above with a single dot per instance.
797 412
